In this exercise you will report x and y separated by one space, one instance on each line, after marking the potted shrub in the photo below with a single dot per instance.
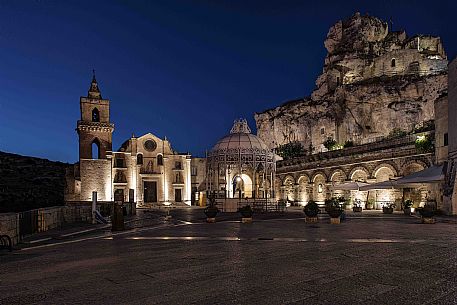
246 213
334 210
357 206
370 204
427 213
388 208
343 203
407 206
211 210
311 210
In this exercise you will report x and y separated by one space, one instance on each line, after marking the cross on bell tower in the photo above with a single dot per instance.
94 91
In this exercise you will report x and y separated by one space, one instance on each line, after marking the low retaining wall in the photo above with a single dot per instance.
41 220
9 225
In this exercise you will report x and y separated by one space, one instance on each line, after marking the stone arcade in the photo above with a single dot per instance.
145 169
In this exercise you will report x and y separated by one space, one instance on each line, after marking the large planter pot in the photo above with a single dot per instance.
311 219
407 211
246 219
357 209
335 221
386 210
211 212
428 220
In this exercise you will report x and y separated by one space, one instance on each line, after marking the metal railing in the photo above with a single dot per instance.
356 150
28 223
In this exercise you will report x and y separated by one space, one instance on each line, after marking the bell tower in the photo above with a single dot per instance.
95 145
94 128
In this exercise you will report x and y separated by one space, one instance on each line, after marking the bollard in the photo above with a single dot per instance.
117 219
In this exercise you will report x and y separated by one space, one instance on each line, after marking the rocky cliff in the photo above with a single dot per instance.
373 81
28 183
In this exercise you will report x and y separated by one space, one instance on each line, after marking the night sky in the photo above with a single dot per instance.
181 69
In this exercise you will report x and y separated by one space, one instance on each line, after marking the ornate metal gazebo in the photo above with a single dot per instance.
241 165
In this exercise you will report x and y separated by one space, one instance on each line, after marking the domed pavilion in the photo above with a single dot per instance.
241 165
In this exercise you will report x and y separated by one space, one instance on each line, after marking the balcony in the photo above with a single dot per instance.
399 147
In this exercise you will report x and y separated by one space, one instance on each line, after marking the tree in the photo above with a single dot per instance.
424 144
290 150
397 133
329 143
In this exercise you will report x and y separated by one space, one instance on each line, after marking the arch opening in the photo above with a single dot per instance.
95 148
95 115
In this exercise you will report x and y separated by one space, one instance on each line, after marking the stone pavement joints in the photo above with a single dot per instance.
368 260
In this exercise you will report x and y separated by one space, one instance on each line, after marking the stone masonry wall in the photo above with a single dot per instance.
96 176
48 218
9 225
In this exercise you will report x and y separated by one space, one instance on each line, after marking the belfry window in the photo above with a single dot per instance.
95 115
393 63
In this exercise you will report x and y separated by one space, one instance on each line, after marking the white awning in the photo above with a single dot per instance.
385 185
349 186
433 174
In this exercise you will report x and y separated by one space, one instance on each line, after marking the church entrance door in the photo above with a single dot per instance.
178 197
150 191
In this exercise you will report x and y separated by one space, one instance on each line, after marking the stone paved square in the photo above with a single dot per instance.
365 260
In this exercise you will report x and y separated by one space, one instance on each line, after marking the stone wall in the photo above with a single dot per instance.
450 190
9 225
452 84
48 218
96 176
441 130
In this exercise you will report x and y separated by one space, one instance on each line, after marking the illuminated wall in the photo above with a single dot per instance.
96 176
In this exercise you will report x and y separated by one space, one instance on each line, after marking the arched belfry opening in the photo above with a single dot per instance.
393 63
95 149
95 115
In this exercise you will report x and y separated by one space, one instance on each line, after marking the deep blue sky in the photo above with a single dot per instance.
181 69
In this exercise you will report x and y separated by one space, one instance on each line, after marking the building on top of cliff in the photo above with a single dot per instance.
376 114
373 82
362 48
145 169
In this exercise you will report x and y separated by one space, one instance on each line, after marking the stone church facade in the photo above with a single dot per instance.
145 169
